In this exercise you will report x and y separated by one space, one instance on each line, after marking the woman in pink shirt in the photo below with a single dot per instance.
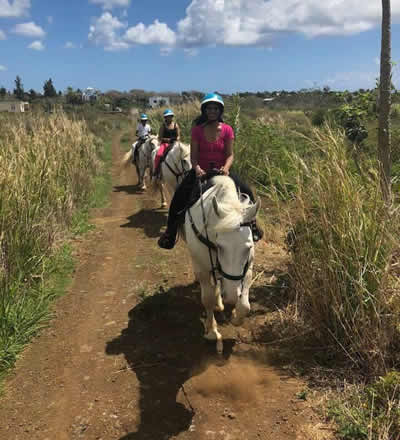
211 148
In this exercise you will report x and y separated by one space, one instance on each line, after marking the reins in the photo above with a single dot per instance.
212 247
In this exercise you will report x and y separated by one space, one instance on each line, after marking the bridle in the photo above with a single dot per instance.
178 172
215 268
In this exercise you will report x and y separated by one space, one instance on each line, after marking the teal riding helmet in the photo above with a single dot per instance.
143 117
168 112
212 97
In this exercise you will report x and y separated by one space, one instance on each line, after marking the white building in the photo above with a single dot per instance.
14 106
89 94
157 101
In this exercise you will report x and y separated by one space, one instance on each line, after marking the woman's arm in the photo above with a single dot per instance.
194 151
178 132
229 156
160 134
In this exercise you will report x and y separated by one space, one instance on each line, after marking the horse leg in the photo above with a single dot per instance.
138 173
162 192
219 306
208 298
142 182
242 306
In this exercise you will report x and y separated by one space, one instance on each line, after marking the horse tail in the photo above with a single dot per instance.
127 158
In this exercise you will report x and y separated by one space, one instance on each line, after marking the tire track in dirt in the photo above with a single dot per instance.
125 359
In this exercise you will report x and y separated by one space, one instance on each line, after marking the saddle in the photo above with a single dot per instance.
157 171
201 185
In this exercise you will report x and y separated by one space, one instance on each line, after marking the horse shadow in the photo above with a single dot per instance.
129 189
150 220
164 345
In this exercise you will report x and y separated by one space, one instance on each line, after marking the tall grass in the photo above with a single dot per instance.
47 165
343 239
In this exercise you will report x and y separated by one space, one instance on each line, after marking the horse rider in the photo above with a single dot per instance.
168 134
143 130
211 148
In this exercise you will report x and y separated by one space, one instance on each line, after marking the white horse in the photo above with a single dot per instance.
220 242
144 159
173 169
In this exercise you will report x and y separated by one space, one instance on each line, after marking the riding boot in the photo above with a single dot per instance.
257 232
168 239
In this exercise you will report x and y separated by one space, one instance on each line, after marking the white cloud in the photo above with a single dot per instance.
104 32
191 52
156 33
36 45
241 22
110 4
69 45
166 51
352 80
29 30
14 8
260 22
2 35
203 24
107 31
2 68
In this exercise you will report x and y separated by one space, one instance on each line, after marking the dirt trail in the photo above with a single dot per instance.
125 358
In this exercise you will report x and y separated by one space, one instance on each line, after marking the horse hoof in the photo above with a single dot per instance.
164 205
220 346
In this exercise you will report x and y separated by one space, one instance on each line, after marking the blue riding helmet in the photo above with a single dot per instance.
168 112
212 97
143 117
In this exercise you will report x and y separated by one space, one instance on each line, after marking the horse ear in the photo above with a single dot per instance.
252 211
215 205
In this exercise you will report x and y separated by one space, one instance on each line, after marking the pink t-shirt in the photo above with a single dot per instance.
212 154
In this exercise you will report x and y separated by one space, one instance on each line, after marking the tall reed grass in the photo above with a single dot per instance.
343 238
47 165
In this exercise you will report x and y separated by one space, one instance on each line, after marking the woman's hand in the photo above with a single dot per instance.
199 171
224 170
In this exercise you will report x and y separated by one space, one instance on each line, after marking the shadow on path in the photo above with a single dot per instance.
163 344
150 220
129 189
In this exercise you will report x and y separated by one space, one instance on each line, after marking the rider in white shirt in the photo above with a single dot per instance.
143 130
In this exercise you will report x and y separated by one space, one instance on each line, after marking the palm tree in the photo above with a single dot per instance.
385 101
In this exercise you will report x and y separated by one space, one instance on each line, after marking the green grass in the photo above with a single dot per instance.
30 308
68 175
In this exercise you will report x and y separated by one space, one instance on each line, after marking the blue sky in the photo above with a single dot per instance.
225 45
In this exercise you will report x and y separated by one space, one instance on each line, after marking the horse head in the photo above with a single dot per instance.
234 245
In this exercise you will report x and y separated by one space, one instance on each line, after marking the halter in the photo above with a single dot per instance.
212 247
176 172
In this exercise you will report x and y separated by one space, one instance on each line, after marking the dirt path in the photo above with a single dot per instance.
125 358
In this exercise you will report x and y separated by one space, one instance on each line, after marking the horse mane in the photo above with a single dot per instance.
231 208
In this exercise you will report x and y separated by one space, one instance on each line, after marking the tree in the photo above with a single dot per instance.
49 90
19 88
32 94
3 92
73 97
384 102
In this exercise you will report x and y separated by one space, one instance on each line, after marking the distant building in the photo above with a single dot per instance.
158 101
90 94
266 100
14 106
